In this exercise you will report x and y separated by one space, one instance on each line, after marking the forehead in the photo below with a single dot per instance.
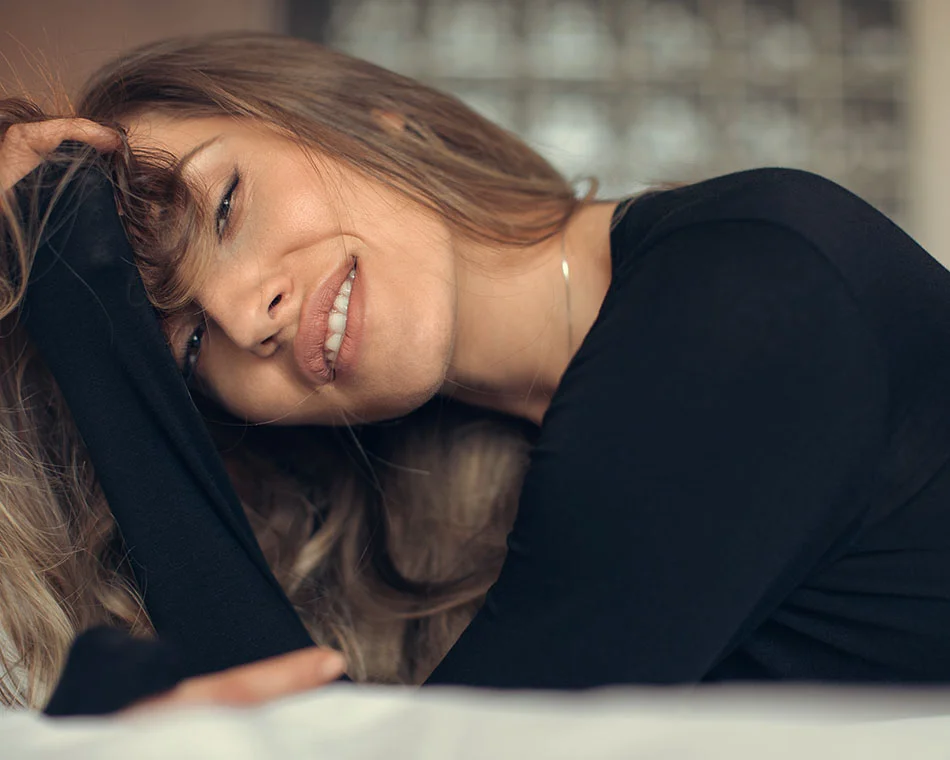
196 139
202 143
177 135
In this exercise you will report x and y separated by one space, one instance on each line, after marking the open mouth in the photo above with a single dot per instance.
329 327
336 323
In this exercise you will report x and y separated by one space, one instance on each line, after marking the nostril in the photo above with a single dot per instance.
273 304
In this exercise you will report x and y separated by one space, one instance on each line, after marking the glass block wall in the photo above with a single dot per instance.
640 91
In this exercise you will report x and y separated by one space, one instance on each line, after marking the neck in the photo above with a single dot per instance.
511 344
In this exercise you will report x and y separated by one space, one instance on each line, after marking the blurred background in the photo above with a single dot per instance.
630 91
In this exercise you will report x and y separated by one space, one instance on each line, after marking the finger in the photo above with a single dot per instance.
43 137
103 139
262 681
25 146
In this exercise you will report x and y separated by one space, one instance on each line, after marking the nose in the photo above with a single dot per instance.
257 318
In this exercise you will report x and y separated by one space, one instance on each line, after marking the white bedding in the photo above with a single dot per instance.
388 723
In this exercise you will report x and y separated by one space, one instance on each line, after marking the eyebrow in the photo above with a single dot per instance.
190 155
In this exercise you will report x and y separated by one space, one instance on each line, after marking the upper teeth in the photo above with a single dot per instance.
336 327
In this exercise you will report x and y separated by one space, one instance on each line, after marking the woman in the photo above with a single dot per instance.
732 392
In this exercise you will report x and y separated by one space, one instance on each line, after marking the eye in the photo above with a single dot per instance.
192 349
223 214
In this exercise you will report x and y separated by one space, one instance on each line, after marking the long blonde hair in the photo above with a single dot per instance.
385 538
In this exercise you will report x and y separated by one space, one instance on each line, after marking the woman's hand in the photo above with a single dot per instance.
253 684
26 145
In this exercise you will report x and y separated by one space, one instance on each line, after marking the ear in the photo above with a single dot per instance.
391 121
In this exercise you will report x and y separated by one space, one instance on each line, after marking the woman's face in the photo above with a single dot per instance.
330 298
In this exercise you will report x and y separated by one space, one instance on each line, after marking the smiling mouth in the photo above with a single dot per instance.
336 323
329 326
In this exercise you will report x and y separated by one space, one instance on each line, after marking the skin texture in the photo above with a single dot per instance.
295 219
440 314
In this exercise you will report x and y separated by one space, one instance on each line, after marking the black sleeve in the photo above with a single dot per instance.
705 450
108 670
209 592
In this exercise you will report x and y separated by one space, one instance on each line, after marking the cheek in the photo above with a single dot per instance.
296 207
245 386
412 304
408 332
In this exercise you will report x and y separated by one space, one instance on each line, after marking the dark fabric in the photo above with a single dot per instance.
206 585
132 668
743 472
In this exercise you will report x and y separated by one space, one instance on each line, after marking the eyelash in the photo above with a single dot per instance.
225 208
192 349
221 221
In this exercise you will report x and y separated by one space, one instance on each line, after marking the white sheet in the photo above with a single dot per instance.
366 723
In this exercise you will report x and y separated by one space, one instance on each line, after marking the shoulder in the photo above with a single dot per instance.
708 264
786 228
725 295
782 196
793 203
776 183
785 222
729 302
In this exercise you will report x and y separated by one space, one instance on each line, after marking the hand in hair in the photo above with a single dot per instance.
253 684
25 145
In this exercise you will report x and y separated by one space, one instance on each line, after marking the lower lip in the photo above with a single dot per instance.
310 354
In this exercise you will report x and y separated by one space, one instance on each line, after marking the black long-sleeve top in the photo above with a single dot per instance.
742 474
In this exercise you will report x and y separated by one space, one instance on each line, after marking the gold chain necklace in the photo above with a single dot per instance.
566 271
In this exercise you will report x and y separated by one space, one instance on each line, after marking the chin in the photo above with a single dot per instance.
390 405
399 387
